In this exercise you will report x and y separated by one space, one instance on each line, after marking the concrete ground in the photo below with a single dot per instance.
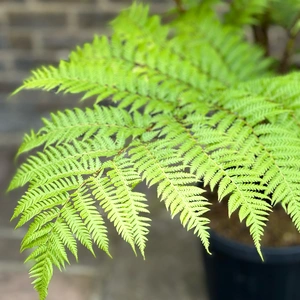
172 269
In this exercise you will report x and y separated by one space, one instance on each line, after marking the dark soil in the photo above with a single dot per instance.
279 232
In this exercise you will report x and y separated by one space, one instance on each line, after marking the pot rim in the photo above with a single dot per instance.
286 254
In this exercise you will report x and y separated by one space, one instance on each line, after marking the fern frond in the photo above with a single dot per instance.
281 168
276 147
211 155
84 204
67 237
105 192
282 90
39 229
154 49
132 74
58 162
225 52
185 110
49 251
102 79
32 204
160 165
124 178
137 22
284 12
254 109
55 229
70 216
246 12
64 127
75 152
45 267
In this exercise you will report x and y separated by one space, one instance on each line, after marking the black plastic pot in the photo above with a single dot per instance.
235 271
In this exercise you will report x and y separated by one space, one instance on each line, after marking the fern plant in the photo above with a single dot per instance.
190 100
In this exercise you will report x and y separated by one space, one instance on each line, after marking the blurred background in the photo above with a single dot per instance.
36 32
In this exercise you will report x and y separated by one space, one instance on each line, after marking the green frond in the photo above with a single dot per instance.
38 231
224 52
32 204
276 147
49 251
293 209
70 215
44 266
128 204
282 90
105 192
192 102
210 155
158 164
284 12
67 126
136 21
85 206
245 12
153 49
125 75
281 171
110 78
76 159
55 229
67 237
253 109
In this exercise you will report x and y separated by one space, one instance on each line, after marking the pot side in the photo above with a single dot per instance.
235 271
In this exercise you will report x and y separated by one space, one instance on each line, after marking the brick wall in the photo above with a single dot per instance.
35 32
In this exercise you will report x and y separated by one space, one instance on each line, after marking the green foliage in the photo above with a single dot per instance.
245 12
285 12
190 101
281 12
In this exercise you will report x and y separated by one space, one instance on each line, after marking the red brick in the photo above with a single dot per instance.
70 1
94 19
27 63
37 20
8 86
144 1
15 41
64 42
9 1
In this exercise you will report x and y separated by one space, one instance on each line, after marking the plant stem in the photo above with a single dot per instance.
289 47
261 36
286 57
260 32
179 6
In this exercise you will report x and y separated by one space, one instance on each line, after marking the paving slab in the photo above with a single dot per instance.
16 286
172 270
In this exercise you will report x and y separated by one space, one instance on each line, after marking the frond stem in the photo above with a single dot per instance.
289 47
179 5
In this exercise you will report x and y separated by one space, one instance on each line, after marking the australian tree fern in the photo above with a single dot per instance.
190 101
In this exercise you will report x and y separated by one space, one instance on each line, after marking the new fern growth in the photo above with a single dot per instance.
190 101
